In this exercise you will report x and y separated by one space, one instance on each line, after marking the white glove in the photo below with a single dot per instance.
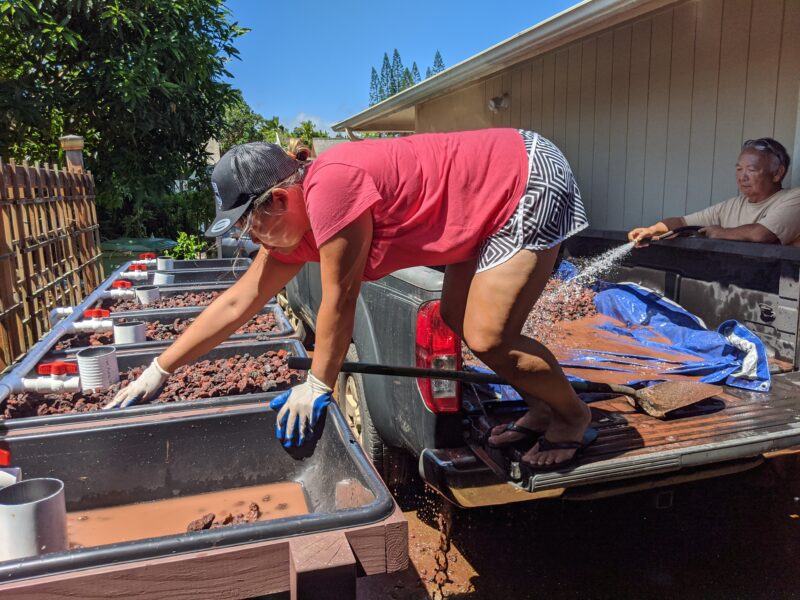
142 388
299 409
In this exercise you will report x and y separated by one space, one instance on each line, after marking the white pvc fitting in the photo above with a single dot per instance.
147 294
122 293
130 332
10 475
33 518
160 278
165 263
98 367
53 383
91 325
150 262
59 313
134 275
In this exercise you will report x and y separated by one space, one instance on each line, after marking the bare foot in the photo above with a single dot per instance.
537 419
559 431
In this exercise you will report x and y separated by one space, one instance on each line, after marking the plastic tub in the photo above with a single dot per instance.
195 276
284 329
211 263
169 292
154 459
143 358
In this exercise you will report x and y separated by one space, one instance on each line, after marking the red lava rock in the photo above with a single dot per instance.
205 379
210 521
176 301
203 522
156 330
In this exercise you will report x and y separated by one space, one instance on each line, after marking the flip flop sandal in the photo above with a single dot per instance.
530 437
545 445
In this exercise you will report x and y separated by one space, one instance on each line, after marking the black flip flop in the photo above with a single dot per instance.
589 437
530 437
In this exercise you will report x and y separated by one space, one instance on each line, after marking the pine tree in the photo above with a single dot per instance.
397 73
428 73
408 79
386 77
374 85
438 64
415 74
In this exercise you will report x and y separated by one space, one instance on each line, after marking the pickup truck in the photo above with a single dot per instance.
439 425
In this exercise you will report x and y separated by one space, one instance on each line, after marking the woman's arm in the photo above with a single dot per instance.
640 235
265 277
342 262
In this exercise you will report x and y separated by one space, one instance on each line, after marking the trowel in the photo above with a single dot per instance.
657 400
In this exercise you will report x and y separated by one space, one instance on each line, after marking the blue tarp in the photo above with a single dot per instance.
732 354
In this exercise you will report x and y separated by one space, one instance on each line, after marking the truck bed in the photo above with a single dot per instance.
734 426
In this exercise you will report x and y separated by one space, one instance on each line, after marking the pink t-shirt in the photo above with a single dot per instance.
434 197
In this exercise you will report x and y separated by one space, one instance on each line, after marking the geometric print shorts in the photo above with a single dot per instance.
549 211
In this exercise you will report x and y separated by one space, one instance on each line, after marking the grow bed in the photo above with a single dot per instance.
172 297
229 374
229 449
190 277
211 263
163 326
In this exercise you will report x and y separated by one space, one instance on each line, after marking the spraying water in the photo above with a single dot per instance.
590 270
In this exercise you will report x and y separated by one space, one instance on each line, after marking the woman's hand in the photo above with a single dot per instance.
142 388
299 409
641 235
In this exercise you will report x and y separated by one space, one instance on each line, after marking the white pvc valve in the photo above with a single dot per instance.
97 320
122 294
134 275
59 313
61 378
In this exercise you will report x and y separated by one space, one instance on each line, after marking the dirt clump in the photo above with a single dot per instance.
184 300
240 374
210 521
263 324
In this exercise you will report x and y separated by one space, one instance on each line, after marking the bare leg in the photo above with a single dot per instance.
457 280
498 302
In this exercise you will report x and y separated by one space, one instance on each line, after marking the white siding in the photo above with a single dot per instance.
651 113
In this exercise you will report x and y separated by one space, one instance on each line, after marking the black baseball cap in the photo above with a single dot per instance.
242 174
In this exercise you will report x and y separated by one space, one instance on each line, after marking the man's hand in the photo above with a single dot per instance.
142 388
713 232
641 236
299 409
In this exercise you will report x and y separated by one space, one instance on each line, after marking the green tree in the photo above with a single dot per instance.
374 88
386 78
397 74
438 64
408 78
307 131
415 73
240 124
141 81
428 73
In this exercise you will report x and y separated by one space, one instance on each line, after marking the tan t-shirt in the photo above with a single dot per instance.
780 213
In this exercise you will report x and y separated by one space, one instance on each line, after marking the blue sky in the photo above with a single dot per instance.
312 59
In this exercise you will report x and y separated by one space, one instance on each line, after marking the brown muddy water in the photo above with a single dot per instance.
144 520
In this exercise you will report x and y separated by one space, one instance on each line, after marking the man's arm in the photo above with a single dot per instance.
342 262
755 232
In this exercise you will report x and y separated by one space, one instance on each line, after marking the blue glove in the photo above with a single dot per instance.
299 409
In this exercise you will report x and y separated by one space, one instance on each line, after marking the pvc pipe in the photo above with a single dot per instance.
165 263
11 383
97 367
147 294
33 518
91 325
160 278
9 475
59 313
134 275
150 262
130 332
123 294
53 383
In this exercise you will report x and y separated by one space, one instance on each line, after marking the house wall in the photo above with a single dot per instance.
651 113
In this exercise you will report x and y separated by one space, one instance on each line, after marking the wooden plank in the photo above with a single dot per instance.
731 97
637 123
515 97
505 88
657 118
763 61
586 123
537 96
680 110
571 148
704 104
560 99
787 105
598 210
323 567
620 78
547 127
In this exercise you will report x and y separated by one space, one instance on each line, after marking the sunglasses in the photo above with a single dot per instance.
762 144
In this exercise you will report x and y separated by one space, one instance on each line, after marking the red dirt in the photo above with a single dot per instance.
241 374
187 299
156 330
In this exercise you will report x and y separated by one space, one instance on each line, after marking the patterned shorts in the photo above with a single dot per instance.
549 211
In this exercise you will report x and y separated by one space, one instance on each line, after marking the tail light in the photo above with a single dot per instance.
438 347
